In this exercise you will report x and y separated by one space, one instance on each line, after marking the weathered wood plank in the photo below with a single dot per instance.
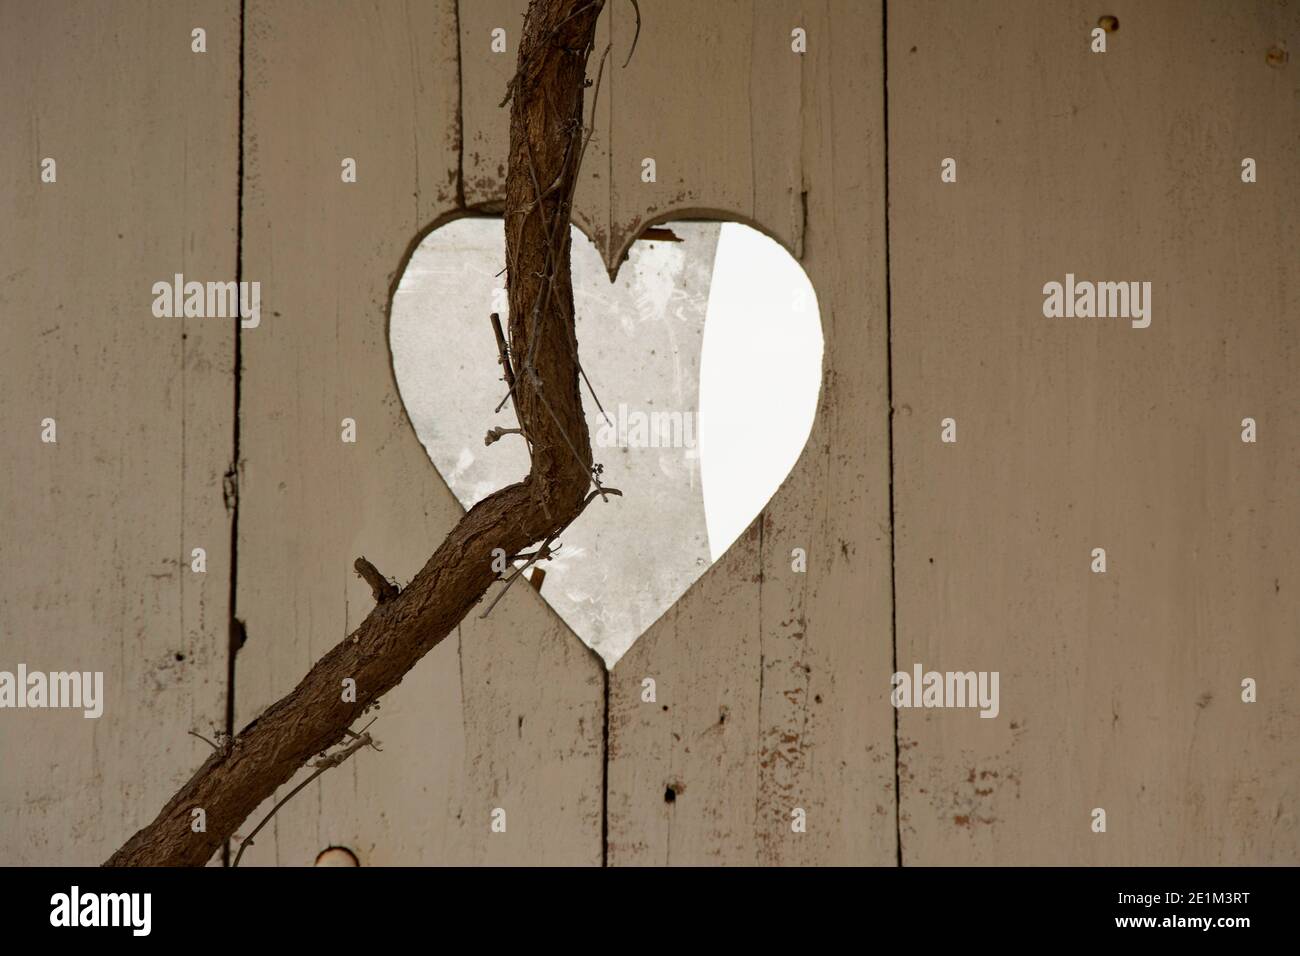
1118 690
97 530
487 70
772 685
711 95
380 84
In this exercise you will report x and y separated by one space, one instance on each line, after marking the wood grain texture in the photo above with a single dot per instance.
1118 690
486 122
712 95
381 85
772 685
96 531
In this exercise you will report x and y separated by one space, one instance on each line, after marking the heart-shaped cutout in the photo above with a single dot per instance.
706 353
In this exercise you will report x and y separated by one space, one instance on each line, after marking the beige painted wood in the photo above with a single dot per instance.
96 531
771 686
507 713
1118 691
712 95
1122 690
486 122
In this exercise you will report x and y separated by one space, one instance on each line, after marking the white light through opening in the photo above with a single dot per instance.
713 342
760 375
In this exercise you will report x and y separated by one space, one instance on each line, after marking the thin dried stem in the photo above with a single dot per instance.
326 762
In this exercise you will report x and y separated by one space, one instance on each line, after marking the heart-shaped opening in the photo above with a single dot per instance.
706 353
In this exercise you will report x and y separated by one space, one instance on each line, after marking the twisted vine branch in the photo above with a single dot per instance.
546 113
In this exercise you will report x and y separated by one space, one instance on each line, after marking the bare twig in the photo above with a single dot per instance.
496 433
383 589
322 764
545 550
594 397
508 372
542 553
636 7
204 739
336 758
503 350
374 744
